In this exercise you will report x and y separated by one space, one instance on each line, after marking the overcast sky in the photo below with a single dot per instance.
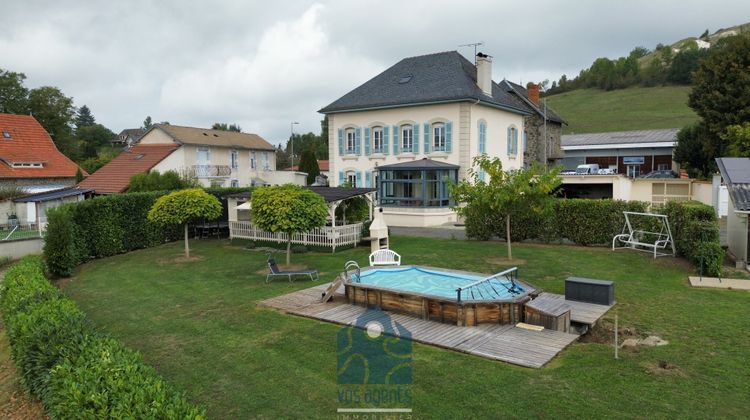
263 64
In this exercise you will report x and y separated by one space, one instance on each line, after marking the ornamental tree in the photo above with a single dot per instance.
288 208
505 192
185 206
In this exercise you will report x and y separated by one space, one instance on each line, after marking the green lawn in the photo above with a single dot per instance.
637 108
198 323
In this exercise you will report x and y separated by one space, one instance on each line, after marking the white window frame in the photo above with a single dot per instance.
234 183
234 158
351 178
266 161
438 137
377 139
665 166
633 171
407 138
208 155
253 161
351 141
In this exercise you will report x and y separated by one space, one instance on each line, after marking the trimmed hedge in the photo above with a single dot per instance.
581 221
694 225
695 228
107 225
75 371
108 380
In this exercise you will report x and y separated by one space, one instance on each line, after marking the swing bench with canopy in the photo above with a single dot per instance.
645 240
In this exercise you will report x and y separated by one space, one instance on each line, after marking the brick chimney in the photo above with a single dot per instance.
533 90
484 73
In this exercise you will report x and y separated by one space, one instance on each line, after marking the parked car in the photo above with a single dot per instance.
607 171
587 169
568 172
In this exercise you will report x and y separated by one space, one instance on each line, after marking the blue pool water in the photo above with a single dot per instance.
439 283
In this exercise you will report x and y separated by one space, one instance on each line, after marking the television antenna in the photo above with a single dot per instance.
475 45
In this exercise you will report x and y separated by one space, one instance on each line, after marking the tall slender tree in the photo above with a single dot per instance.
84 118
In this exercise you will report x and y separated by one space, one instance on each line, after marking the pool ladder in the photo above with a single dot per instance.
352 265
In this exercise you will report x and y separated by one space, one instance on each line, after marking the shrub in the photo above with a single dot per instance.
108 380
299 249
101 227
23 286
41 336
695 229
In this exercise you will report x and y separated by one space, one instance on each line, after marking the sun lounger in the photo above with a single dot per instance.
274 272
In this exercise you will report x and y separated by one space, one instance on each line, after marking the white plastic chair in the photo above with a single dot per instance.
385 257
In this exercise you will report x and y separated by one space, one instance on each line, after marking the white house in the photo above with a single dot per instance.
419 124
213 157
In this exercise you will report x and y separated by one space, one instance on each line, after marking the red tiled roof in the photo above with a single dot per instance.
30 143
115 176
322 166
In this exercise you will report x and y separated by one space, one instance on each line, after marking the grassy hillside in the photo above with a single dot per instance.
594 110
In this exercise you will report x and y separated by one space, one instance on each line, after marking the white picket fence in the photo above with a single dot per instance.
327 236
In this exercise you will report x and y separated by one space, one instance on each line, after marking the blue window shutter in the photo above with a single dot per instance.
395 139
358 182
386 134
426 138
357 141
515 142
510 143
368 179
415 138
341 178
367 141
448 136
341 141
481 175
484 138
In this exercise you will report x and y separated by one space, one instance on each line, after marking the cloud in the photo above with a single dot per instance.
287 78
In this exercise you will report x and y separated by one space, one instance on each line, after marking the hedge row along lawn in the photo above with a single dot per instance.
199 324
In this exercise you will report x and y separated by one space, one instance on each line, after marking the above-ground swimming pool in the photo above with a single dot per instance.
440 283
450 296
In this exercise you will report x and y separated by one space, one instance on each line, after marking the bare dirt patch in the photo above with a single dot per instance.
604 333
179 259
504 261
663 367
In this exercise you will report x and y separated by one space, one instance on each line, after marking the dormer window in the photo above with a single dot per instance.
27 165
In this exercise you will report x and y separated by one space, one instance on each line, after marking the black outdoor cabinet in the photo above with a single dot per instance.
601 292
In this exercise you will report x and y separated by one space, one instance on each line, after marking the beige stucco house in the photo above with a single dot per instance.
419 124
212 157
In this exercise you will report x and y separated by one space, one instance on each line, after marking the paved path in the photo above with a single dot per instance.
717 283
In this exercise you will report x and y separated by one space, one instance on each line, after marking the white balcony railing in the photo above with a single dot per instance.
211 171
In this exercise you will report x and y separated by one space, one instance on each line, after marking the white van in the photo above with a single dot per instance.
588 169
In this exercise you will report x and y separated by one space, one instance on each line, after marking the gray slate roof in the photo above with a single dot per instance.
418 165
440 77
667 135
329 194
539 109
736 175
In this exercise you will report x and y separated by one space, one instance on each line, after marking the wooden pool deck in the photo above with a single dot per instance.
506 343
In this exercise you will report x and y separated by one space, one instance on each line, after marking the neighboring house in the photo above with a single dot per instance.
129 136
535 130
633 153
736 175
213 157
29 159
320 180
418 125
